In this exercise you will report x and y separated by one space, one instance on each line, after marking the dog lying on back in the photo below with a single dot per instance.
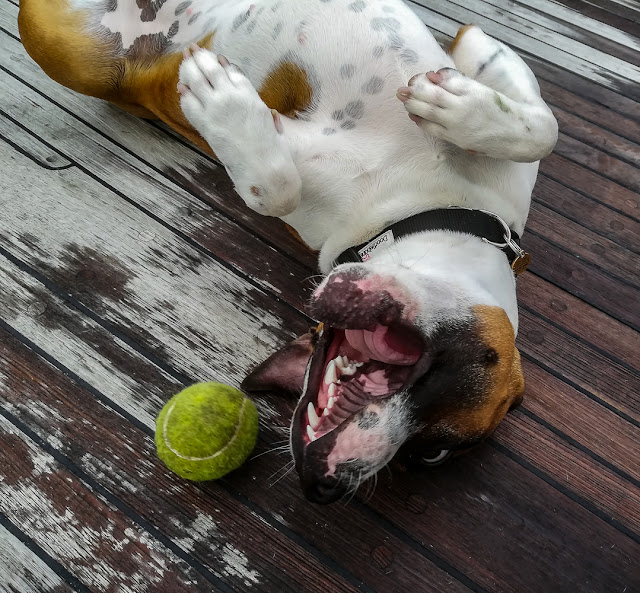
409 169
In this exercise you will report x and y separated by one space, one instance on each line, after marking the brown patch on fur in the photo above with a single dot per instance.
53 36
153 86
461 32
287 89
505 383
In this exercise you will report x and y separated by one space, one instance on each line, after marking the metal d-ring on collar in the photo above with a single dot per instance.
522 259
480 223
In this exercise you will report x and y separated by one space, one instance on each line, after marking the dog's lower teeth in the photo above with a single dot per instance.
332 389
332 400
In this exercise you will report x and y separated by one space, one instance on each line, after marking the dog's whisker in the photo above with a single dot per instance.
286 468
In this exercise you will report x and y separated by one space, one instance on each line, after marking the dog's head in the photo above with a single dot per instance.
402 361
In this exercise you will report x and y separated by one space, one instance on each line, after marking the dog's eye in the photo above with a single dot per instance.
437 457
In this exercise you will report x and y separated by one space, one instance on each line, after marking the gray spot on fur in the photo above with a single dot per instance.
276 6
173 29
355 109
277 30
338 114
328 131
378 50
368 420
357 6
347 70
388 24
348 125
239 20
395 41
182 7
410 56
373 86
252 25
194 17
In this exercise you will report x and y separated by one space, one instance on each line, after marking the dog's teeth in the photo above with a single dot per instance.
331 376
350 370
332 400
313 417
326 412
332 389
310 433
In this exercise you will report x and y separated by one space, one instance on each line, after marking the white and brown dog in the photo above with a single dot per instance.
408 168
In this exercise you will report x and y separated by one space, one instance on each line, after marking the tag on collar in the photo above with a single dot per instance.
380 243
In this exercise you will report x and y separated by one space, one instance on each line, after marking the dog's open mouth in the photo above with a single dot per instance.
353 368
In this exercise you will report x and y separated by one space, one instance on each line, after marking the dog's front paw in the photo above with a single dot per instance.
218 100
221 103
451 106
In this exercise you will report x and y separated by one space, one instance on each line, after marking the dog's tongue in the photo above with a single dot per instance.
385 344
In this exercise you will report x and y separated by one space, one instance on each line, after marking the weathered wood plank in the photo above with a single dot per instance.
626 10
589 214
571 468
592 136
21 571
583 243
555 545
594 327
572 18
594 112
117 260
592 184
206 518
568 24
585 281
580 364
91 538
596 9
598 161
574 414
31 146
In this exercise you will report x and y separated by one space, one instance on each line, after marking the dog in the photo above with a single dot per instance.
408 168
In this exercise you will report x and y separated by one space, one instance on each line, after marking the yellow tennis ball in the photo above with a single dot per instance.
206 431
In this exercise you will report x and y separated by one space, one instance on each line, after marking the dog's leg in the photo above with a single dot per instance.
490 105
249 139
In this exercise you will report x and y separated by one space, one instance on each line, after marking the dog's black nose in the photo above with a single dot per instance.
324 491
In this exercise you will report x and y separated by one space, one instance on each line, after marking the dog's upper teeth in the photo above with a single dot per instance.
332 389
332 400
313 416
310 433
331 376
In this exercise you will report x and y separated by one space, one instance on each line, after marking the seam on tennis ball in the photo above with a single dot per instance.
165 437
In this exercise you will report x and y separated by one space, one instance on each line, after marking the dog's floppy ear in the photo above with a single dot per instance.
285 369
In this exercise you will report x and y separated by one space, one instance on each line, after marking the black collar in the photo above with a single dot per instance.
489 227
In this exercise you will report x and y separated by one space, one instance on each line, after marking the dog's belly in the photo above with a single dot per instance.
347 48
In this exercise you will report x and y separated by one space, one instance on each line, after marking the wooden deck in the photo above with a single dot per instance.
129 269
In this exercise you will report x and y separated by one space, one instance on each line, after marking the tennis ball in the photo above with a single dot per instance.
206 431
